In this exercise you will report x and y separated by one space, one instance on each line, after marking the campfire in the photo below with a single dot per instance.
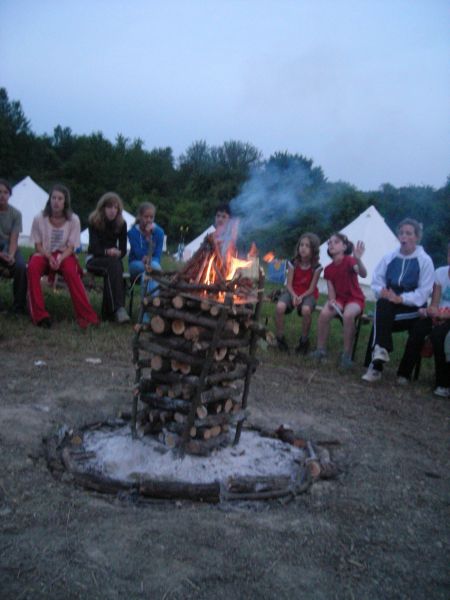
195 357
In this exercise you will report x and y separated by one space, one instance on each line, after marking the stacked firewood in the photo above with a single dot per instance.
194 359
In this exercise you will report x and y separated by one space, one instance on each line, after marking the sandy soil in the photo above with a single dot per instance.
380 530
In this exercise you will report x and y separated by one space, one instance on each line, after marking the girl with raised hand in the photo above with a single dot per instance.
345 297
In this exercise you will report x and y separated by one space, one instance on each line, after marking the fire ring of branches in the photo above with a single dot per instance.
66 457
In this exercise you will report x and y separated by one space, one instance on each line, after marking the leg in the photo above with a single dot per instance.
383 323
306 313
111 269
351 312
136 267
279 318
151 284
418 330
438 335
84 312
20 284
323 326
37 267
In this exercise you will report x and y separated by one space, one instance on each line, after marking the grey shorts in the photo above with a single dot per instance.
286 298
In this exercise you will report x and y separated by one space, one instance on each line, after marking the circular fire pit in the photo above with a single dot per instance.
105 457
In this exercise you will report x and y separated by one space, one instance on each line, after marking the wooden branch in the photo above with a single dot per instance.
204 447
159 325
183 357
178 326
165 402
218 393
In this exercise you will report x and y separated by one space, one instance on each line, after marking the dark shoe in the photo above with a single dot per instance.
45 323
19 310
302 347
282 344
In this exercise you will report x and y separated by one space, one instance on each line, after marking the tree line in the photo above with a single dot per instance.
277 198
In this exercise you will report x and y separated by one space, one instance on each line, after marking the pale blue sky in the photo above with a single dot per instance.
360 86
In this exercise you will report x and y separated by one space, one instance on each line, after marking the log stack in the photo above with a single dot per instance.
194 354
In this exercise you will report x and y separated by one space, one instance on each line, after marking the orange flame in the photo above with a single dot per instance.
253 252
234 264
269 257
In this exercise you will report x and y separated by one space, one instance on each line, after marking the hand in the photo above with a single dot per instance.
393 297
148 229
7 258
55 262
432 311
359 249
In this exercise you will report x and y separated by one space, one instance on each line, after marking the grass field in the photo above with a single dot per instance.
60 307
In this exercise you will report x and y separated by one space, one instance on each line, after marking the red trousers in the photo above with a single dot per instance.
71 271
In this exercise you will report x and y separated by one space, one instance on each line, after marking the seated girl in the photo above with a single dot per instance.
56 233
146 244
107 247
302 293
345 297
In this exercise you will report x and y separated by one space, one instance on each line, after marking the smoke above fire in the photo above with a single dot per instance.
276 191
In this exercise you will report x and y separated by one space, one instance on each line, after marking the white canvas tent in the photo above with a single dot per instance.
30 199
193 246
371 228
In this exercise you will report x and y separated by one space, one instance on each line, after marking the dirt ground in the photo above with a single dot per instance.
380 530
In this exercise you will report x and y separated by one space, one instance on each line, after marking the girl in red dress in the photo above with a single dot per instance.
301 292
345 297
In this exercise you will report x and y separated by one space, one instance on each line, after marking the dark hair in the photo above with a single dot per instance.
7 185
418 227
344 239
58 187
97 218
224 208
314 242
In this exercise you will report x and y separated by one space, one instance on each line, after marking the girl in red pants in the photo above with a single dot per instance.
56 233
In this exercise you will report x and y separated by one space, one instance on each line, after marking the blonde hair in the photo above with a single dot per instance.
97 218
141 210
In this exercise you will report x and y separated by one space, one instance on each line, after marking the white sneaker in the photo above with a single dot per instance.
442 392
121 316
402 380
380 353
371 375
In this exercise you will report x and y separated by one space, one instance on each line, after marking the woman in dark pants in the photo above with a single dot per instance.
439 310
402 282
107 247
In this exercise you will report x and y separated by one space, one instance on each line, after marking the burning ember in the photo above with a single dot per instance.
269 257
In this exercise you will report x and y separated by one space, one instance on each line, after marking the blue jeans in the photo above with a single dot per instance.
137 267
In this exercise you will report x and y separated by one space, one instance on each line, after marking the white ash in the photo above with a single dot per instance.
120 457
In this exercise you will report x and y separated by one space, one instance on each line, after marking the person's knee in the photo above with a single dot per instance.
281 308
325 316
306 311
